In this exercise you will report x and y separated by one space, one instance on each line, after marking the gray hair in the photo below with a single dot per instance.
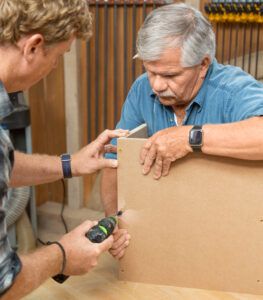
176 26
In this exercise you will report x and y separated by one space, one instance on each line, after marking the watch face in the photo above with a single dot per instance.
196 137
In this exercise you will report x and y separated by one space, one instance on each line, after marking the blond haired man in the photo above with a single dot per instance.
33 35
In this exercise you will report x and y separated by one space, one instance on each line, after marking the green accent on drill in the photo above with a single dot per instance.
114 218
103 229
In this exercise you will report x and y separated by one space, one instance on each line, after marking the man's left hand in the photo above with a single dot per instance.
163 148
121 242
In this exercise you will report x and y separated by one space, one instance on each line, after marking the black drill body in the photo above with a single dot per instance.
102 230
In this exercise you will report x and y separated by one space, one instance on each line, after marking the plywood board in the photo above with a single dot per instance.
199 227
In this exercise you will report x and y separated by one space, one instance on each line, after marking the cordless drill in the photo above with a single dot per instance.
96 234
103 229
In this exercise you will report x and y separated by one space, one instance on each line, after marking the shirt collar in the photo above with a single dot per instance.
6 107
199 98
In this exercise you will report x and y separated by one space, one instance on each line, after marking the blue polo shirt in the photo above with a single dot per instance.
228 94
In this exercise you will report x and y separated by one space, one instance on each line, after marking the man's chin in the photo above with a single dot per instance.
168 101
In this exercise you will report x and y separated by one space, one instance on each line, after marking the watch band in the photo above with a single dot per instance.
197 148
196 138
66 165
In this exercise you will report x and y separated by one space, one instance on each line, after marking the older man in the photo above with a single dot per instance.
188 100
33 35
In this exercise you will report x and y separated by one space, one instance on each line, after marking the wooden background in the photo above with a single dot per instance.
47 112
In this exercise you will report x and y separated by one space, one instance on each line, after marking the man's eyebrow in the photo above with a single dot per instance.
171 73
166 73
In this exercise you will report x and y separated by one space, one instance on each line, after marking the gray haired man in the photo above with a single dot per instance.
188 101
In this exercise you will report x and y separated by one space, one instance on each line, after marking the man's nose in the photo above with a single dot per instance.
159 84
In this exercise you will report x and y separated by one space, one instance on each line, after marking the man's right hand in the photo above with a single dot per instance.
121 242
81 254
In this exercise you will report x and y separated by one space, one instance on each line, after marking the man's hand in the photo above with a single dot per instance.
121 242
90 158
81 254
163 148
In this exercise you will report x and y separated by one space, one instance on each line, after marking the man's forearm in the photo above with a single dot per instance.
109 191
242 140
36 268
35 169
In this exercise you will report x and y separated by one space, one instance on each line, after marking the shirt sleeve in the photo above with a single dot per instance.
9 269
131 115
246 100
10 264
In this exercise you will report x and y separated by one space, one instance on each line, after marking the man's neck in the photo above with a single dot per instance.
180 113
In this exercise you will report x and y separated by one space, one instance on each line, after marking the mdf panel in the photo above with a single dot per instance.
199 227
102 284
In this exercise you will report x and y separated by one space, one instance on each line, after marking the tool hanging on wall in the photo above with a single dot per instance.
238 25
235 11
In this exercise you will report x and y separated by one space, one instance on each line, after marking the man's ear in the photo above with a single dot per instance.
33 46
205 65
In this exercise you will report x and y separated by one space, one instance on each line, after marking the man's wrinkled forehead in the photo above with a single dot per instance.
169 61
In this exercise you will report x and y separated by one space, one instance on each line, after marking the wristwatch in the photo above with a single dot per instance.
66 165
196 138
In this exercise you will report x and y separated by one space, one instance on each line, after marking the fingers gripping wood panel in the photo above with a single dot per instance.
199 227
